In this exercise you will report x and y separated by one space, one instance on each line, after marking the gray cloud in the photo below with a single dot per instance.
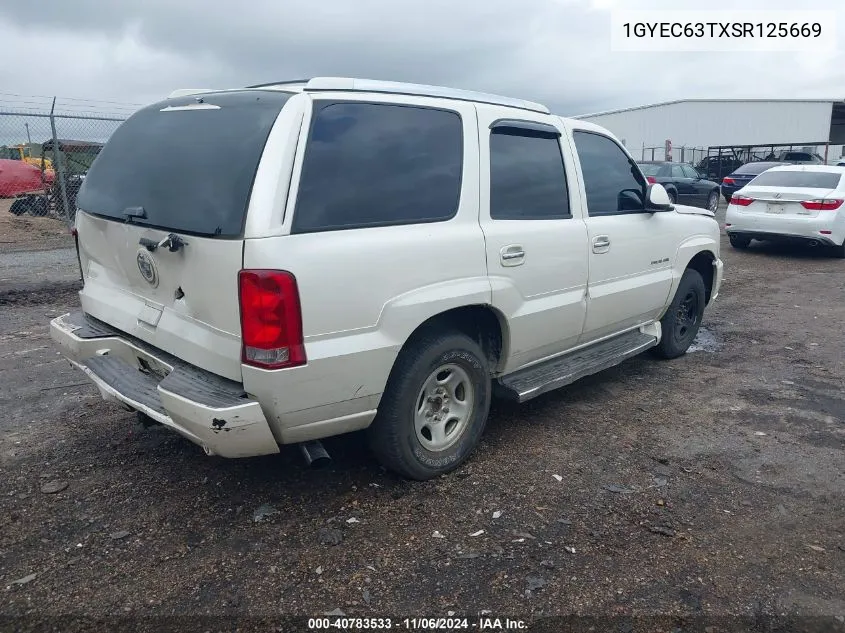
553 51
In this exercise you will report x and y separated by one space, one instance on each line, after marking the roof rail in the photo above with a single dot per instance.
395 87
279 83
184 92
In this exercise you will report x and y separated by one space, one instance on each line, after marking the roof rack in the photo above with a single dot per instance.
279 83
396 87
184 92
318 84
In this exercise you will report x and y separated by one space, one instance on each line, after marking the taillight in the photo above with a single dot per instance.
651 180
821 205
727 180
271 319
741 201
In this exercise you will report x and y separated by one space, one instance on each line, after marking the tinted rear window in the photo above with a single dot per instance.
650 169
755 168
810 179
190 170
371 164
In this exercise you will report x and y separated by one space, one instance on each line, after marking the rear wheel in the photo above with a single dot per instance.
739 241
683 318
673 197
434 408
713 201
839 251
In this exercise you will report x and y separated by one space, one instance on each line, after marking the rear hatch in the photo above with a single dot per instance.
791 193
160 223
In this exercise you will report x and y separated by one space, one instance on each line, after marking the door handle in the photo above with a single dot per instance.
601 244
513 255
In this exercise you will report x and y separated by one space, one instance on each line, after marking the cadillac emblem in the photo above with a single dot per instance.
147 267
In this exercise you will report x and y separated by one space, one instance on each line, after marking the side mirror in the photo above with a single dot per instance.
657 199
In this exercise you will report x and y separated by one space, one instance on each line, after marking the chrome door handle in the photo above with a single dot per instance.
512 255
601 244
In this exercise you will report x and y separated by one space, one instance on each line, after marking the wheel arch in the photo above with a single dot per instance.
481 322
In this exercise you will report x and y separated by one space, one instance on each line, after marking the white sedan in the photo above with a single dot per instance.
793 202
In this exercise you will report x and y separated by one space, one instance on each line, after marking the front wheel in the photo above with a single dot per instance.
434 408
683 318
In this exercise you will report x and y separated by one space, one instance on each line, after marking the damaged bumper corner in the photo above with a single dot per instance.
209 410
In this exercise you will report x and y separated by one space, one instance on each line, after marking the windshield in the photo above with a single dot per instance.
803 179
184 164
650 169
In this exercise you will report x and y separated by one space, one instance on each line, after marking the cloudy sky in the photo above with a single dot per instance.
552 51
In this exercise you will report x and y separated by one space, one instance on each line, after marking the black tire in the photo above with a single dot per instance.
839 251
393 436
683 318
739 241
673 197
713 201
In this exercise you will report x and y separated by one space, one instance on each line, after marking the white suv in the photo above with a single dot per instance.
287 262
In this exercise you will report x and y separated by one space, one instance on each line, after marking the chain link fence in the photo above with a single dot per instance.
44 157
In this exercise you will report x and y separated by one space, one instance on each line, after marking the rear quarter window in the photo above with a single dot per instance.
804 179
374 164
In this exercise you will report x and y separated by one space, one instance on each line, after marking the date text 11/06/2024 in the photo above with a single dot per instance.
414 624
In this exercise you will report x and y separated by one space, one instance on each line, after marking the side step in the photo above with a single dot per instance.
533 381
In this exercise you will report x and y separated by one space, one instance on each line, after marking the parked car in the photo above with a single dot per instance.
18 178
684 183
715 167
411 250
792 202
790 156
743 175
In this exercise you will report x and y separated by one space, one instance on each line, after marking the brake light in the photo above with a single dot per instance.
727 180
271 319
651 180
821 205
741 201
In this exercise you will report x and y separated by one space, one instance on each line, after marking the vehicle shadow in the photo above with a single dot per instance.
789 249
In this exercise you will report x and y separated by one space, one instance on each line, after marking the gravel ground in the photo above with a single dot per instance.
709 486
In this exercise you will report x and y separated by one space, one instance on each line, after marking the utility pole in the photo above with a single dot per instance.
28 139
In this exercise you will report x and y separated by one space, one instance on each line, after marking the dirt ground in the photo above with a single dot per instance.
28 233
708 490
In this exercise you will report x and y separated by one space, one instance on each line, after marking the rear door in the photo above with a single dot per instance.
182 168
535 237
701 187
684 184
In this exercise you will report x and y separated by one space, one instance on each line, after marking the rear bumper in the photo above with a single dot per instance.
774 227
210 411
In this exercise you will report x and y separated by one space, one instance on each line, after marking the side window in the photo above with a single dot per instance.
690 172
527 177
678 172
612 181
370 164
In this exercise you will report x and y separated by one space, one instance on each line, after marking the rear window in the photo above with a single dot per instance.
650 169
376 164
808 179
191 170
755 168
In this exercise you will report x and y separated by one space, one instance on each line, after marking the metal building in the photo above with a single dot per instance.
731 125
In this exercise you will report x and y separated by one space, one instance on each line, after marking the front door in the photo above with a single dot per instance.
631 250
536 239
